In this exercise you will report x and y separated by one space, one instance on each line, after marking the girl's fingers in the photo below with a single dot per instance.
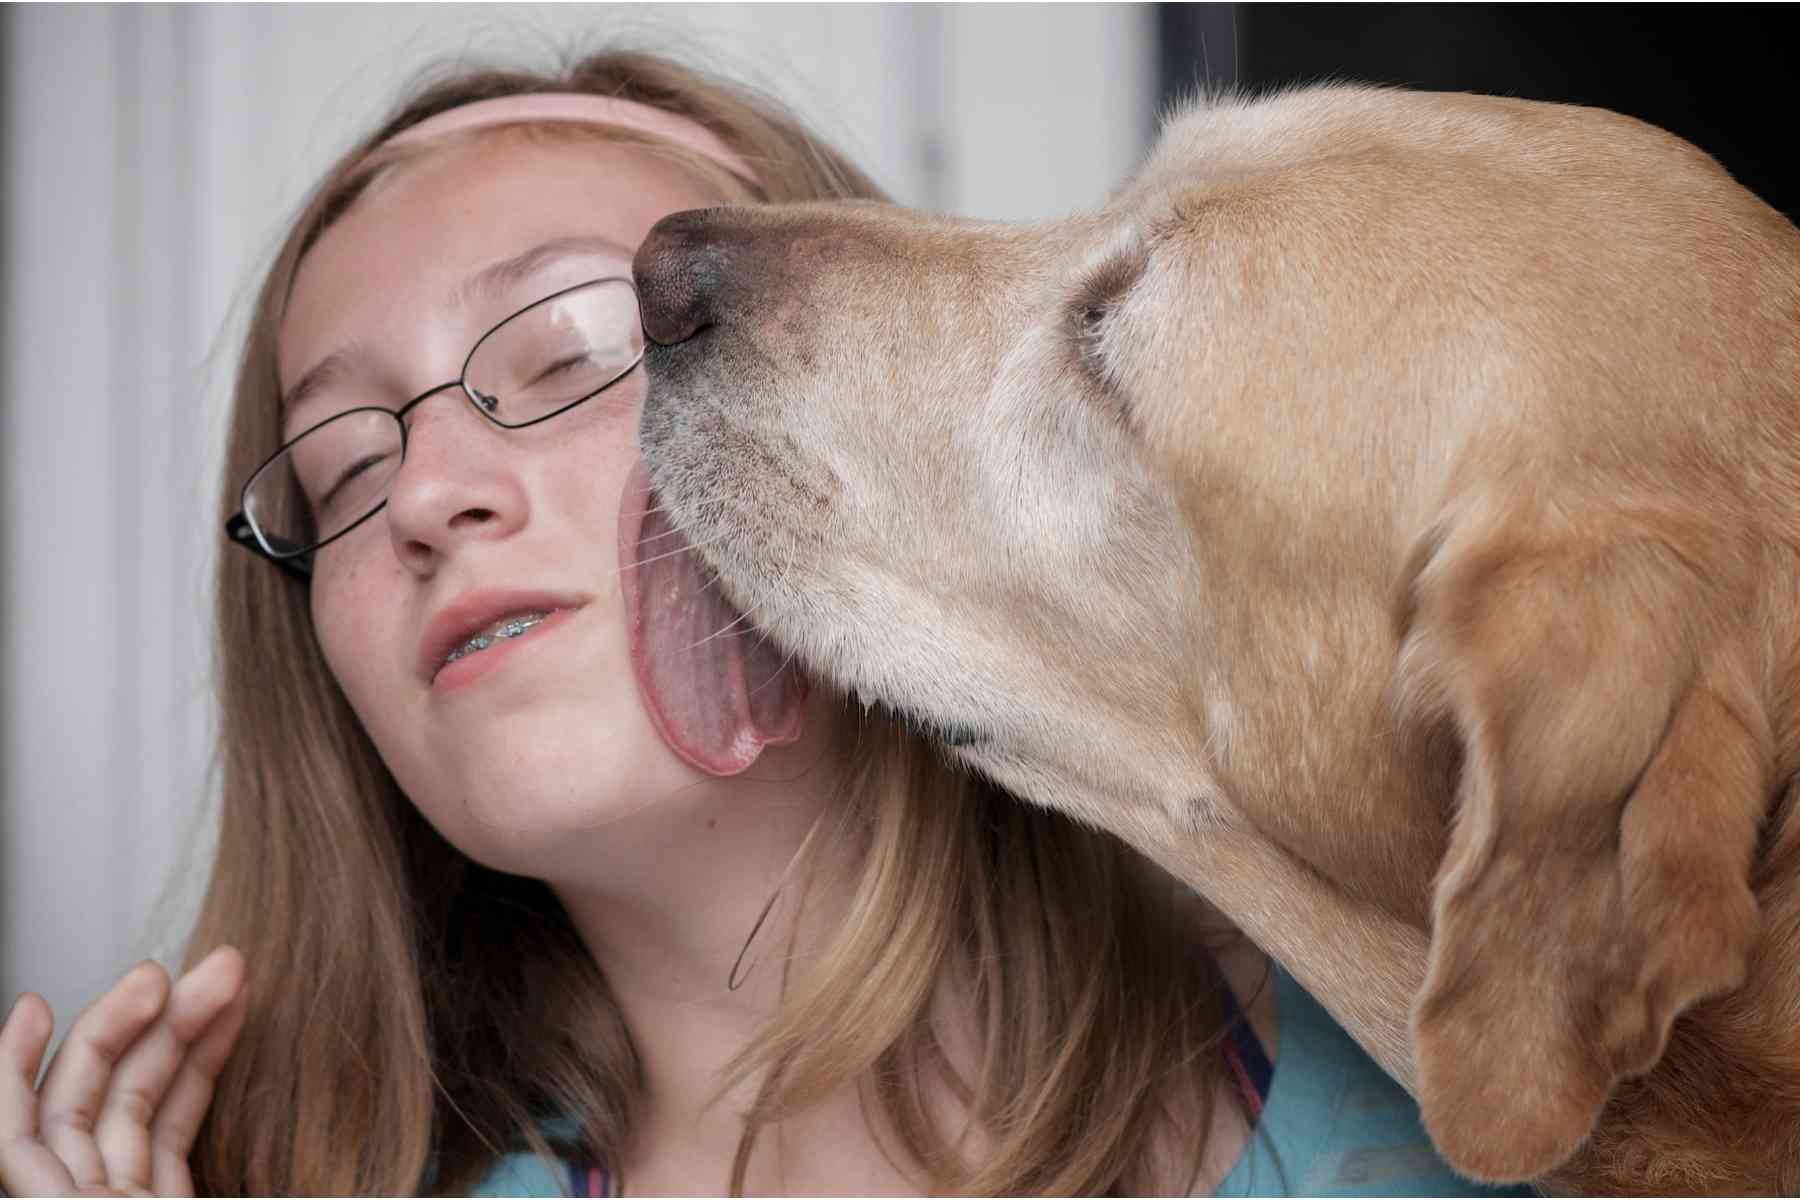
141 1079
221 1002
125 1096
23 1040
80 1075
27 1166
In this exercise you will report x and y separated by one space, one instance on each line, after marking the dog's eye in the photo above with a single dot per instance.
1088 324
1100 290
1090 308
1087 345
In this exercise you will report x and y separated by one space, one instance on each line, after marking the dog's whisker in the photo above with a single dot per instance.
672 553
778 672
764 639
657 537
724 631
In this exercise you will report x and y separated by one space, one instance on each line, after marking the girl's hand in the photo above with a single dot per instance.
124 1097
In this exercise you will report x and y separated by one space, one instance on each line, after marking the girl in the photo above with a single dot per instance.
517 911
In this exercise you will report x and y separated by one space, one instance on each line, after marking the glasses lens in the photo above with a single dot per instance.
325 481
556 353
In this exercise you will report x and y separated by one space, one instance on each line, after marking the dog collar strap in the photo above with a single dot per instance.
579 106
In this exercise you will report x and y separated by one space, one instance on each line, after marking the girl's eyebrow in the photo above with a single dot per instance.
323 374
500 277
494 279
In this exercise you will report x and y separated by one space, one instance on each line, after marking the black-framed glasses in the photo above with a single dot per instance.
538 363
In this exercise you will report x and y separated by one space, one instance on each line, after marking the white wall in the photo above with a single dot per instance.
151 156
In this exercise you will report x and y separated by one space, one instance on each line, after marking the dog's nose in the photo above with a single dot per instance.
680 271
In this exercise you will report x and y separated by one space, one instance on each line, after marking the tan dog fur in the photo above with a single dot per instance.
1385 514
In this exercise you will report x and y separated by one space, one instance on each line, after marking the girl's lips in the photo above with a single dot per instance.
501 630
457 622
472 668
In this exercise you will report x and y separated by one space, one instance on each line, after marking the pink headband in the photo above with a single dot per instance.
580 106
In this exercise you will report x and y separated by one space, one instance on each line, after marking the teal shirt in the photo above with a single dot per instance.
520 1175
1333 1124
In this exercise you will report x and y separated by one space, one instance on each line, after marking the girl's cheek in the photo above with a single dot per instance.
344 604
328 628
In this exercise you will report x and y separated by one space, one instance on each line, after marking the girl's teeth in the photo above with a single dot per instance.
510 628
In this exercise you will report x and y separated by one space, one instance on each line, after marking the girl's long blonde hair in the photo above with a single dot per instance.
413 1013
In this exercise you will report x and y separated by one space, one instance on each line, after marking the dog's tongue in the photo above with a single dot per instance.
717 690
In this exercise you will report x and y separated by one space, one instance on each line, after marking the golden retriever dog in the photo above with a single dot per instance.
1384 513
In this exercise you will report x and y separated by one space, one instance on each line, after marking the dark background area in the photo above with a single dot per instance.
1719 75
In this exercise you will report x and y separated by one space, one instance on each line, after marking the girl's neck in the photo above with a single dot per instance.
680 920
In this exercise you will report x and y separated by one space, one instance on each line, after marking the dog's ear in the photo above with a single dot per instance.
1615 771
